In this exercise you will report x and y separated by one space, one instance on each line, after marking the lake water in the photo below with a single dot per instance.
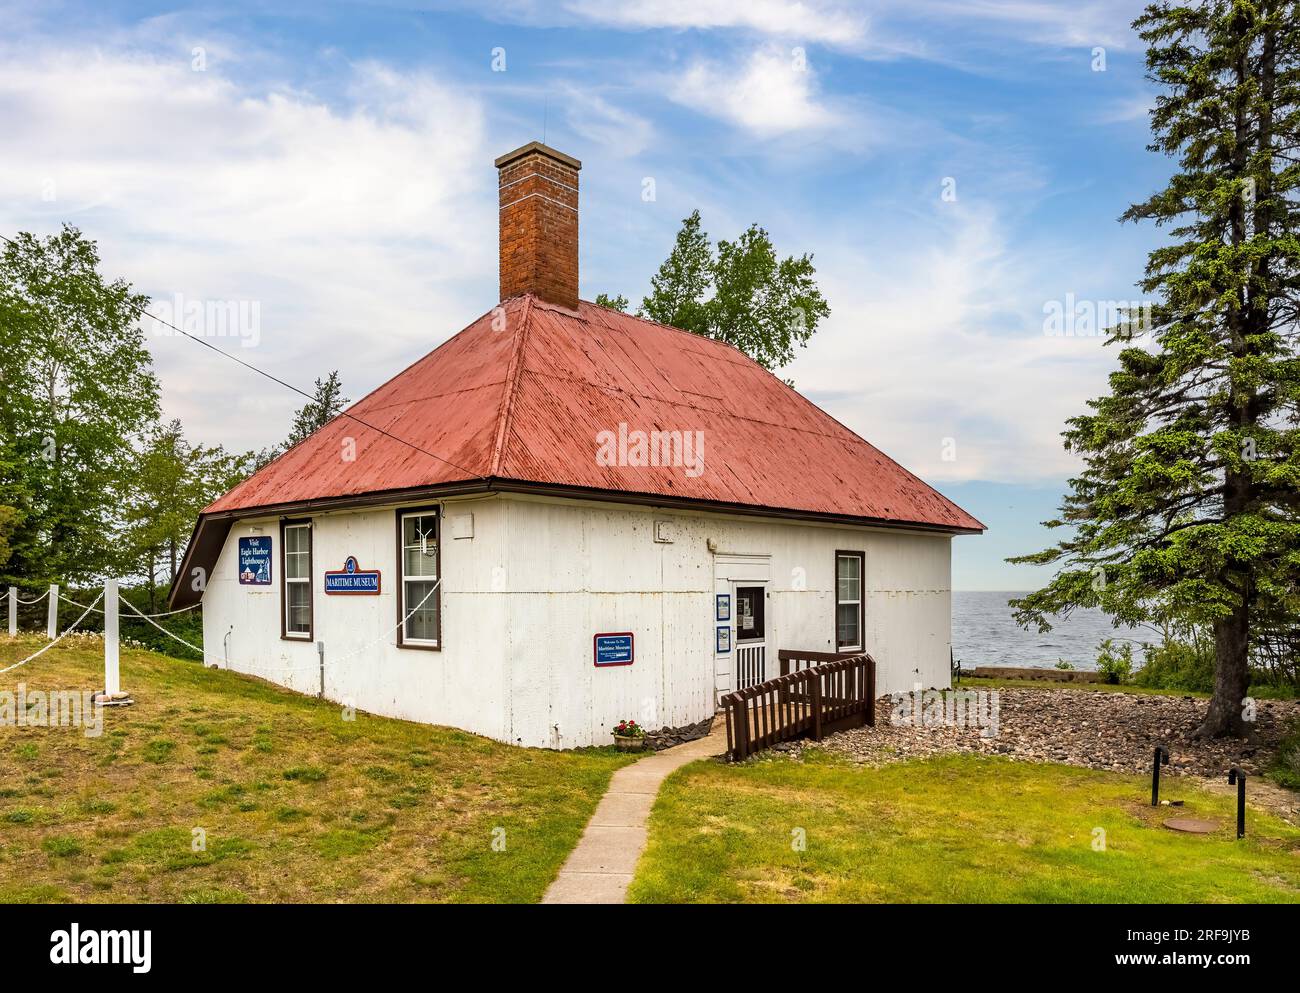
984 633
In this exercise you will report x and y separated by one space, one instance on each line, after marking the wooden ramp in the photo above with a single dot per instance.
808 701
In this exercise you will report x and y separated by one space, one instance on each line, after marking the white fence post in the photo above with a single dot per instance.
52 623
112 686
13 611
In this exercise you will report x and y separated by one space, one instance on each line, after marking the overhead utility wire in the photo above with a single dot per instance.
142 312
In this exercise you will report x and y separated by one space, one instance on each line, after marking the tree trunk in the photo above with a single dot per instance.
1231 677
1232 633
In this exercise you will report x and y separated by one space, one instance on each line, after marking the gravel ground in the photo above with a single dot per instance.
1099 730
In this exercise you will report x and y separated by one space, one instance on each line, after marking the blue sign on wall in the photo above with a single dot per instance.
613 649
255 561
352 579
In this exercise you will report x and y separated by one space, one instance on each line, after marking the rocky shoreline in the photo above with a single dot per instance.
1116 732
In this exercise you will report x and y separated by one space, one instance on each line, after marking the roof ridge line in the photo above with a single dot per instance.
657 324
511 386
844 428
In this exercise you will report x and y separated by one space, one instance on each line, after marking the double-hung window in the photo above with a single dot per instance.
296 608
418 592
848 601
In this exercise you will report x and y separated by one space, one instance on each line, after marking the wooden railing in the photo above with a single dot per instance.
793 661
811 701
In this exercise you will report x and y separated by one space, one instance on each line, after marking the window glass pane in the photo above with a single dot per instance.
297 597
417 563
848 577
846 626
422 528
293 539
420 545
422 624
295 565
750 608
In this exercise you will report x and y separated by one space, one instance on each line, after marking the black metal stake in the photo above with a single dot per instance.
1161 758
1238 778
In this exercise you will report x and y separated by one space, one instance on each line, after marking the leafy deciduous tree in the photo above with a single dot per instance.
174 481
78 391
739 293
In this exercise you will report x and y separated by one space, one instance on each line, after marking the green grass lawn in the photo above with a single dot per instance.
297 804
952 829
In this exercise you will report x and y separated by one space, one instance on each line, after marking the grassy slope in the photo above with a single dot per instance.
298 804
953 829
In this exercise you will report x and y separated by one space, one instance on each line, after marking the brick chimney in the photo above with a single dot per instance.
538 198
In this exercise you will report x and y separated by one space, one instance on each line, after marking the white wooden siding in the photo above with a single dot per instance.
523 597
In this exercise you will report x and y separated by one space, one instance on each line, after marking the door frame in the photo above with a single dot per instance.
730 570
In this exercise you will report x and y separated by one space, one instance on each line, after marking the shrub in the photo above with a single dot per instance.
1286 767
1177 665
1114 665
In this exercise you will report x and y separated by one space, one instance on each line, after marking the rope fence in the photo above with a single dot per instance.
111 598
46 648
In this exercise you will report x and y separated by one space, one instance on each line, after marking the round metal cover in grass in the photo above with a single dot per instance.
1192 825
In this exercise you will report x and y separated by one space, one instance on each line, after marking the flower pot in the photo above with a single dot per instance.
628 744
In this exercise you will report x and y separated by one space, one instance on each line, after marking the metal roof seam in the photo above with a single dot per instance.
853 437
510 386
430 396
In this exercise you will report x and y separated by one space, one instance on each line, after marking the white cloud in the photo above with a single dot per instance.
1081 24
620 131
812 20
1133 108
937 336
366 233
772 92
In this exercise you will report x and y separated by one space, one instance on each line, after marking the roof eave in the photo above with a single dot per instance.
202 551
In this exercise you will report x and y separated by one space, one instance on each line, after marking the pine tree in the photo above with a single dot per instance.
1188 506
319 411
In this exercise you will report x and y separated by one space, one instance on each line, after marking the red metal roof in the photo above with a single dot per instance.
526 402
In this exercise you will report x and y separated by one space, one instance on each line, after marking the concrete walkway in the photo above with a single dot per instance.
600 868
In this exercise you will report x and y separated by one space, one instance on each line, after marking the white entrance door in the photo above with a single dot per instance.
740 652
750 599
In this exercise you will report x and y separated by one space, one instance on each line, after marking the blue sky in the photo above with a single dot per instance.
332 164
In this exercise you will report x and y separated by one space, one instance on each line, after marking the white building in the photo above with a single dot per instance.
565 516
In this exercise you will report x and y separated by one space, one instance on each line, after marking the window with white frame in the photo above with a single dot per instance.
848 601
295 543
418 597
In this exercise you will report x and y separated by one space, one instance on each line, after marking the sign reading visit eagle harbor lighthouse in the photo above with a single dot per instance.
255 561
